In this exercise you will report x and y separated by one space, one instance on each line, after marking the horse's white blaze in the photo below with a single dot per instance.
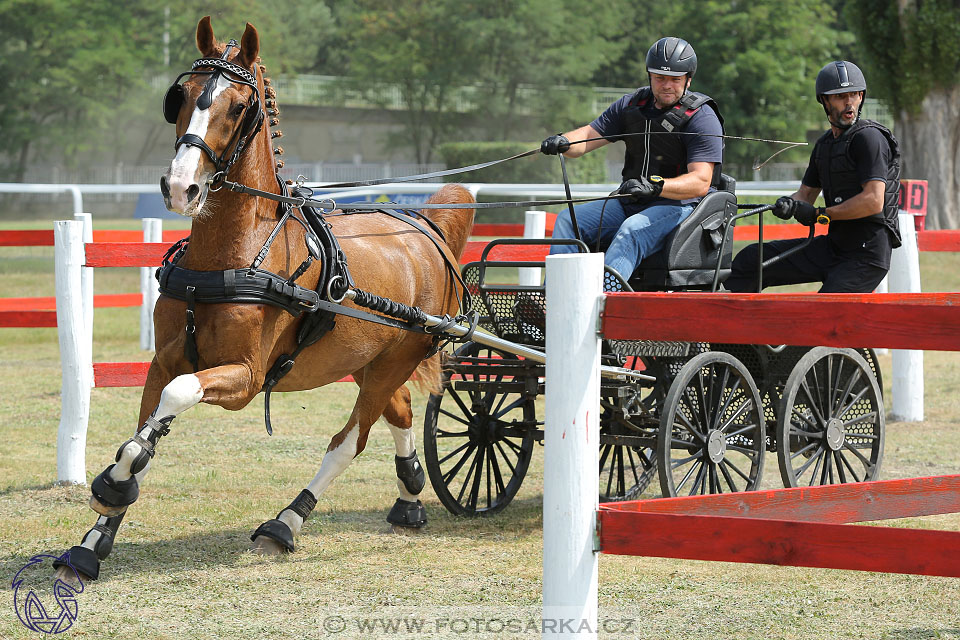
186 168
406 445
179 395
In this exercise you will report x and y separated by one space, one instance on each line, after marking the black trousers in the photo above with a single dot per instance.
820 261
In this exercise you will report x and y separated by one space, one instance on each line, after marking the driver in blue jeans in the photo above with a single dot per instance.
664 174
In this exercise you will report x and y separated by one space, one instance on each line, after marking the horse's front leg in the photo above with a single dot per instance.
118 486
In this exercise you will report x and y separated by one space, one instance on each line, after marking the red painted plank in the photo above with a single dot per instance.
781 542
105 300
26 238
896 321
942 240
28 318
509 230
838 503
125 254
506 252
775 232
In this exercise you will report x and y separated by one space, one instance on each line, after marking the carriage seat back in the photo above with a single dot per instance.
690 255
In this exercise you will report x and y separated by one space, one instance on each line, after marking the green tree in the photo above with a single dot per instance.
759 60
67 67
909 52
515 58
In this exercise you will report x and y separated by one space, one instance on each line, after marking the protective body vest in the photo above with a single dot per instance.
840 182
661 154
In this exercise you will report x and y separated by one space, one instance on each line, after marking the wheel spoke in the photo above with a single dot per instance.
805 449
846 463
727 463
812 402
866 463
463 407
687 475
455 452
467 478
506 460
816 457
855 400
700 480
688 424
803 417
684 461
727 476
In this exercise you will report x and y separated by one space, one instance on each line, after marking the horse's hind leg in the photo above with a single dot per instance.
380 392
407 511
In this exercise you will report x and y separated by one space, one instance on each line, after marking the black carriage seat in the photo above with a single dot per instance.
689 258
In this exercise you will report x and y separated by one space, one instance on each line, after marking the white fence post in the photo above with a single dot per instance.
907 403
75 358
149 287
534 226
571 446
86 288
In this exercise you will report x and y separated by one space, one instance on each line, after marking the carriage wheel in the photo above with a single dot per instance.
831 424
712 436
625 471
478 441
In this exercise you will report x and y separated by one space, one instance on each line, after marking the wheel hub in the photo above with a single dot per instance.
835 434
716 446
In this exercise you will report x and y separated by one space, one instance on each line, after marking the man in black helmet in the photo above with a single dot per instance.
857 166
665 174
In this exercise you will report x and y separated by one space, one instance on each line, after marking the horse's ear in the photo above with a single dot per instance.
206 43
249 47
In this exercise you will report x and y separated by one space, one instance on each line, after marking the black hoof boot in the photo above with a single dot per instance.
407 514
276 530
83 561
111 498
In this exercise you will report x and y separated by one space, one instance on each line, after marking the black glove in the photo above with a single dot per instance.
642 190
554 145
784 207
806 213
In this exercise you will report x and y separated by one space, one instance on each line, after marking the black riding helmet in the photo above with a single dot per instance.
840 76
672 57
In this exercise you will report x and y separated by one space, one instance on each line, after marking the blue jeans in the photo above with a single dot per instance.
625 239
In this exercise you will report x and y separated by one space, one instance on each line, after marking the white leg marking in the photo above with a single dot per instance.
93 536
179 395
406 445
334 462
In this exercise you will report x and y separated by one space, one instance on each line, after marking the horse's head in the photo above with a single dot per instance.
218 111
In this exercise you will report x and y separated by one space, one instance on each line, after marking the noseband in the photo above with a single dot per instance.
252 120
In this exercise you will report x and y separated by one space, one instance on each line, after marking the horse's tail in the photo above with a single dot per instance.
456 224
427 376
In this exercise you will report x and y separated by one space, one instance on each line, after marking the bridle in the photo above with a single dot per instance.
252 120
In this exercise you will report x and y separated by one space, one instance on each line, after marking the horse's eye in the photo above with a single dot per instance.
238 110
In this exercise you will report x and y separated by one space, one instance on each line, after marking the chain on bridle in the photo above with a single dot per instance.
175 97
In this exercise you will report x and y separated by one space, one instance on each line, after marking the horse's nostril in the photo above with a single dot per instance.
192 192
164 187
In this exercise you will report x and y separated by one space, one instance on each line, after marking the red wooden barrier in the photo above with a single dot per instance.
28 318
50 303
44 237
836 503
896 321
942 240
781 542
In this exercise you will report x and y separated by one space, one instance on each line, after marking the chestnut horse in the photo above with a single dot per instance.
237 343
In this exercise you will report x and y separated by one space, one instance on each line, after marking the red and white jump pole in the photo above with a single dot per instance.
571 446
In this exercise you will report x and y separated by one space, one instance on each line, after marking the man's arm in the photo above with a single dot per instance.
695 183
866 203
583 133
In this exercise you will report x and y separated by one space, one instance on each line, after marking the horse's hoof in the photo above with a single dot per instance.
407 514
71 577
264 546
106 510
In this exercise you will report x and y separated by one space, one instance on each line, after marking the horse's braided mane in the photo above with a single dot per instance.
272 109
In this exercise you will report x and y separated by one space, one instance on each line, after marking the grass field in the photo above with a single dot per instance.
181 567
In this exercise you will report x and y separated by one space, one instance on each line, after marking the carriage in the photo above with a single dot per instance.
697 417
